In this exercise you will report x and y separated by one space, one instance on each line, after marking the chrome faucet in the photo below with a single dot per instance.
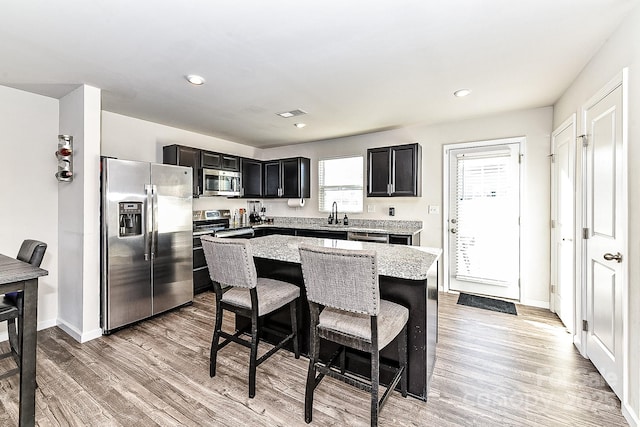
333 218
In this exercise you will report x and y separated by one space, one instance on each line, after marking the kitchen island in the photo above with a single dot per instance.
407 275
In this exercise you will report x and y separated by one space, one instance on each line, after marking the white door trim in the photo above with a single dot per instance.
621 79
567 124
446 194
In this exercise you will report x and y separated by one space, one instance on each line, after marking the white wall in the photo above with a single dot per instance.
79 213
534 124
134 139
621 50
28 187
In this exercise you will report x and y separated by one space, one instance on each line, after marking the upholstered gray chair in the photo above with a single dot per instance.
231 265
344 300
31 251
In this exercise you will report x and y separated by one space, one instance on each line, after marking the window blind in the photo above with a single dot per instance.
487 204
341 180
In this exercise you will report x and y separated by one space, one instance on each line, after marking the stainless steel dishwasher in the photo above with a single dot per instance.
364 236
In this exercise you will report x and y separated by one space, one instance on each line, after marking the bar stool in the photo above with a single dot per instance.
344 301
230 264
31 251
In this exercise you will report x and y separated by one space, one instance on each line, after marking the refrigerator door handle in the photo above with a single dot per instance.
148 222
154 235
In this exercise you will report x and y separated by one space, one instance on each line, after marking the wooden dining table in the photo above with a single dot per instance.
15 276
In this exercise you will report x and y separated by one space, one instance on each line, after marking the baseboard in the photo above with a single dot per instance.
632 418
45 324
535 303
77 335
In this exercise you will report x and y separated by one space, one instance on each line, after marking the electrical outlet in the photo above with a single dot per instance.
371 208
434 210
392 211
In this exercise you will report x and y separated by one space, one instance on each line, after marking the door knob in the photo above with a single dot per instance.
453 220
611 257
454 230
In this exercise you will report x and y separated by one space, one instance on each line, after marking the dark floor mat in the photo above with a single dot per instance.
487 303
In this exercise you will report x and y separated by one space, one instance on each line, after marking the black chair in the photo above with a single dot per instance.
344 301
230 264
31 251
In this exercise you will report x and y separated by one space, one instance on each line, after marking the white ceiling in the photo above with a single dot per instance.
355 66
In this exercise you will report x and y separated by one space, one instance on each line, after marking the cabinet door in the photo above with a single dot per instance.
229 163
404 179
184 156
378 173
211 160
290 178
271 179
251 178
397 239
322 234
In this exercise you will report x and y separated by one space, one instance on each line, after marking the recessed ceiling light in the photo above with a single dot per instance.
300 125
195 80
461 92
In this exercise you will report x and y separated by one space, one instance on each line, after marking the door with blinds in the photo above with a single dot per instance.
484 217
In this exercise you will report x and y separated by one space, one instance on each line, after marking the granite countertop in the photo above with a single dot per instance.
405 228
401 261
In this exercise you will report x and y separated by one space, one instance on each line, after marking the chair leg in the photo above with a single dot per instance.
375 383
402 357
293 307
253 356
215 341
13 340
314 354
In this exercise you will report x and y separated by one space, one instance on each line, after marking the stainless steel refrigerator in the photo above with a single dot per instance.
146 240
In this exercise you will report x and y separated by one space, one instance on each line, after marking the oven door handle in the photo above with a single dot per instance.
240 232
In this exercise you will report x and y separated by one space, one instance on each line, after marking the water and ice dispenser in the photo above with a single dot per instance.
130 216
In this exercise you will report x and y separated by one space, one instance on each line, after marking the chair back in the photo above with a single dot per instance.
32 251
344 279
230 261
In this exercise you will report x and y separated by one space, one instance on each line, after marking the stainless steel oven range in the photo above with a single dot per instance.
212 223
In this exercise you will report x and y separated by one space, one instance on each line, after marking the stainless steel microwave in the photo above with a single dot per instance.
215 182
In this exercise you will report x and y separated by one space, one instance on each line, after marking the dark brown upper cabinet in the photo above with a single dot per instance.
251 171
394 171
287 178
184 156
211 160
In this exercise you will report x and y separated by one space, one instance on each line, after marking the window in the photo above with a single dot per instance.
341 180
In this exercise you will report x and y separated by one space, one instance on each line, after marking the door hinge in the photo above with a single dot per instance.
585 326
553 158
553 223
520 158
553 289
585 140
585 233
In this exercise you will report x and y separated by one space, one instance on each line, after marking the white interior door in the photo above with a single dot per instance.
483 223
563 146
606 223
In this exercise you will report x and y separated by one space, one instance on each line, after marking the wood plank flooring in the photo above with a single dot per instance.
491 369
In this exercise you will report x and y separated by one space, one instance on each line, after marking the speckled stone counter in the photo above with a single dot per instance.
408 275
397 227
404 262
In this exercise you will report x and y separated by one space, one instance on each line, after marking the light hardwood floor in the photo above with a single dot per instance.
492 369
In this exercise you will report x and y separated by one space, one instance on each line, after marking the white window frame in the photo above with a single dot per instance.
359 188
